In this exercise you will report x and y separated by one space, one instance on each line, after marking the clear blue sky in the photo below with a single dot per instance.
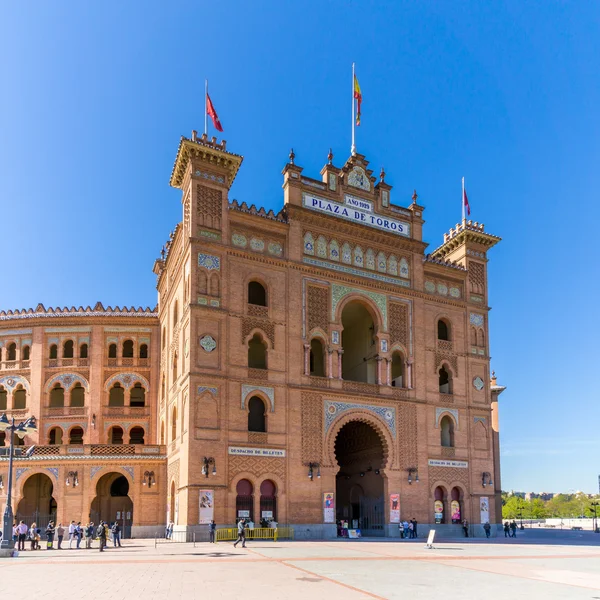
95 97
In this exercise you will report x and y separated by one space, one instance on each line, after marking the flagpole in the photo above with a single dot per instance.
353 149
463 199
206 107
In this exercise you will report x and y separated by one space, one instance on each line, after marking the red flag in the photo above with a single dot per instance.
212 113
466 202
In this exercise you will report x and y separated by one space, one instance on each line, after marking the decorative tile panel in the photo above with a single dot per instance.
442 289
269 392
53 471
334 409
441 410
339 291
384 345
10 382
359 179
95 470
209 262
127 380
430 287
257 244
208 343
202 389
455 292
239 240
67 380
19 472
476 320
479 420
129 470
275 249
335 337
404 272
309 244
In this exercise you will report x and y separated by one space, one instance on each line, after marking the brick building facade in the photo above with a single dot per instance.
309 366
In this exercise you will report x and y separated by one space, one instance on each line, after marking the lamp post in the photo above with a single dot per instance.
206 462
594 505
22 429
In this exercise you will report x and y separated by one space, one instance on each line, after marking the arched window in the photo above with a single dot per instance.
128 349
398 369
481 338
77 395
2 439
57 396
3 398
112 351
443 330
136 435
144 351
317 358
215 285
473 336
257 353
115 435
11 352
359 361
257 294
55 436
202 283
244 502
447 432
174 424
76 435
438 505
53 351
175 359
256 415
455 508
83 351
116 396
68 349
25 353
137 395
19 398
175 313
163 338
268 501
162 433
163 388
445 381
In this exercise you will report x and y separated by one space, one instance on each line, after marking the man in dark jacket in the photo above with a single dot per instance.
213 530
116 533
101 533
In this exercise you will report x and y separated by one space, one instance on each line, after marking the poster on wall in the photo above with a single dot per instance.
438 509
455 509
394 508
207 507
243 514
328 507
484 509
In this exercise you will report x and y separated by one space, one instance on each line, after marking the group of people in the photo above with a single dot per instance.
76 533
510 529
408 529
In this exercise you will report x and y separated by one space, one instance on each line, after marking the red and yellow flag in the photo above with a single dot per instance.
358 96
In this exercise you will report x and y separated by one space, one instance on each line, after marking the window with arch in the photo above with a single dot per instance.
25 353
175 313
455 505
128 349
116 395
174 372
174 424
3 398
112 351
163 338
438 506
136 435
137 395
268 499
68 349
445 381
317 358
162 433
57 396
443 330
447 432
215 285
19 398
53 353
257 352
257 420
76 435
359 360
115 435
398 376
77 395
244 501
55 436
83 351
144 351
202 281
257 294
11 351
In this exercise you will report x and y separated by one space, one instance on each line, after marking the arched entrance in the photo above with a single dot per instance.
37 504
112 502
244 501
359 484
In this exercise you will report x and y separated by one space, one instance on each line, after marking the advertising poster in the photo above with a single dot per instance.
484 509
394 508
438 509
455 508
207 506
328 507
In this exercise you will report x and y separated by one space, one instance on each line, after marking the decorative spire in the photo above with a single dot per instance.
330 157
292 156
382 175
162 253
415 196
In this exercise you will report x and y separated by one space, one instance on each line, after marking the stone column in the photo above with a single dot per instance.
330 362
340 352
389 371
409 383
306 359
379 369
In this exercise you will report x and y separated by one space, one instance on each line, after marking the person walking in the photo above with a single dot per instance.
50 536
33 536
89 534
465 526
60 534
414 522
71 534
241 534
513 528
101 533
212 531
116 534
22 530
15 534
487 528
78 534
506 529
405 527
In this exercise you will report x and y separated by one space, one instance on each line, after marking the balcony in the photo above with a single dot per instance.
446 399
126 411
11 365
56 363
128 362
90 450
53 412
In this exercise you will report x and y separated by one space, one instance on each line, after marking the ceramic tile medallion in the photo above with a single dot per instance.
208 343
476 320
455 292
275 249
257 244
430 286
209 262
442 289
478 383
359 179
239 240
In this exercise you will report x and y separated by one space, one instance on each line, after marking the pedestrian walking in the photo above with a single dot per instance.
465 526
50 536
34 536
405 527
241 534
116 534
101 533
487 529
15 534
414 522
212 531
89 534
71 534
513 529
78 534
60 534
506 529
22 530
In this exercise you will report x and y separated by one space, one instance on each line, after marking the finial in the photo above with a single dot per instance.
330 157
292 156
415 196
162 253
382 175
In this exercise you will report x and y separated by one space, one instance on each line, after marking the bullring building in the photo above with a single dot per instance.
313 366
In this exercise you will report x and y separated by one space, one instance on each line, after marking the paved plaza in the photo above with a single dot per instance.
529 567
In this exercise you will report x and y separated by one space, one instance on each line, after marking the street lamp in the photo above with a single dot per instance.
22 429
206 462
594 505
311 467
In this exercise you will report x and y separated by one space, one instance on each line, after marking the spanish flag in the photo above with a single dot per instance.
358 96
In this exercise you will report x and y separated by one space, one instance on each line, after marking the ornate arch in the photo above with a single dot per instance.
23 475
376 304
251 477
127 380
449 412
317 332
67 381
10 383
440 483
398 347
127 472
266 393
263 334
445 361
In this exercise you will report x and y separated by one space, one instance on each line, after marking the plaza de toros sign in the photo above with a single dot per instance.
356 210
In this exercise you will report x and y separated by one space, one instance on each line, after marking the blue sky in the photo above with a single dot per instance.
95 98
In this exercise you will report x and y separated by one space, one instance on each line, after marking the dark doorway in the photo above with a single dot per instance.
37 505
112 502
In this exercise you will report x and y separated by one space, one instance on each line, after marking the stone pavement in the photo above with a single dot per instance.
528 567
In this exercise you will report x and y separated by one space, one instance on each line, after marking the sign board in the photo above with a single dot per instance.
207 506
270 452
328 507
455 510
243 514
128 516
438 510
459 464
118 515
394 508
430 538
267 514
354 533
